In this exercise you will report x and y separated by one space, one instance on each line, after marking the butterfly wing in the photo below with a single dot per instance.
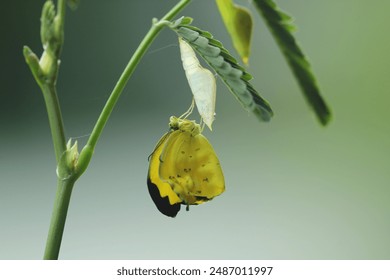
205 170
165 199
190 166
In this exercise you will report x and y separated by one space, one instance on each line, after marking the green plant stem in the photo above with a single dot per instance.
110 104
61 8
60 24
58 218
55 119
64 187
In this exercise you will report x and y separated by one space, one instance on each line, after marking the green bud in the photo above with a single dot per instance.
67 164
47 23
33 62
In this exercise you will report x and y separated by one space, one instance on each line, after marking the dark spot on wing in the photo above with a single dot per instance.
162 203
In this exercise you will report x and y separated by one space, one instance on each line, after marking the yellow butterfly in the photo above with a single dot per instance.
183 168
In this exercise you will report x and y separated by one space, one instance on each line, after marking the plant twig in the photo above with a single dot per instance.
55 119
58 218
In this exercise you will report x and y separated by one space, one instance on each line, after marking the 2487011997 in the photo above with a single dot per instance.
237 270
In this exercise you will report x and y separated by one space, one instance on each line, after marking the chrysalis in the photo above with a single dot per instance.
201 81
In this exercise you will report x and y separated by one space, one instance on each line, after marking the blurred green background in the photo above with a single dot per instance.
294 190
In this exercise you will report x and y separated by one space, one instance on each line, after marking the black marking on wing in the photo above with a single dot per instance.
162 203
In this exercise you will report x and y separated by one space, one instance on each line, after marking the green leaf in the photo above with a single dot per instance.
281 27
238 22
221 61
